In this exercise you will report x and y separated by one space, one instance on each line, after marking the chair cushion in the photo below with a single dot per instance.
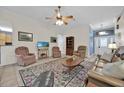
115 70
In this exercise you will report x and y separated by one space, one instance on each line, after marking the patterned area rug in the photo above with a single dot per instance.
62 78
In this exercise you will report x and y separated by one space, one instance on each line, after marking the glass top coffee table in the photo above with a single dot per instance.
72 62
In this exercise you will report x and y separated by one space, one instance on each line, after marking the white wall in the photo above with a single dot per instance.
120 38
81 36
26 24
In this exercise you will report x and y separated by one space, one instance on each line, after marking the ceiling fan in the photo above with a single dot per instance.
119 17
60 20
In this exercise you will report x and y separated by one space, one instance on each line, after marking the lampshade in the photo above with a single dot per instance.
112 46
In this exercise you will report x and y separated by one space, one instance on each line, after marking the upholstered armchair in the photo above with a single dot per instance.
24 58
56 52
81 52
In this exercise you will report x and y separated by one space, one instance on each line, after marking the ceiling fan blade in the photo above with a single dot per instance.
49 18
66 23
67 18
118 18
71 17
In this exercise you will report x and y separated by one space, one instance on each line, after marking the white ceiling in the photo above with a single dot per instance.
82 14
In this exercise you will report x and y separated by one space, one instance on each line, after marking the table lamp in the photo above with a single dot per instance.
112 46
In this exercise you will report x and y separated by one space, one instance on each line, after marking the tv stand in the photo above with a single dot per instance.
43 52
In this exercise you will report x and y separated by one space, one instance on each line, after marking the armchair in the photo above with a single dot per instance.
24 58
56 52
81 52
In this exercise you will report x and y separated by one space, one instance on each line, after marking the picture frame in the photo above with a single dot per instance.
5 38
25 36
53 39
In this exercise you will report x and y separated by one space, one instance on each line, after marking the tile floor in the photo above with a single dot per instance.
9 76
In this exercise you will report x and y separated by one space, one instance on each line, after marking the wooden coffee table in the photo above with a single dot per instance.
72 62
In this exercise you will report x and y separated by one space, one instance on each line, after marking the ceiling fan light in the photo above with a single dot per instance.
59 22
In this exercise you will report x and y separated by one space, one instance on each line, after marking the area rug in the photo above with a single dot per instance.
62 78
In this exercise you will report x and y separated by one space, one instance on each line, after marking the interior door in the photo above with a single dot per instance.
101 44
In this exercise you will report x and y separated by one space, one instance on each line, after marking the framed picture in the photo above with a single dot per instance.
5 38
53 39
24 36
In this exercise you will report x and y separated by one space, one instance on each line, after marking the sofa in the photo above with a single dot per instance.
106 73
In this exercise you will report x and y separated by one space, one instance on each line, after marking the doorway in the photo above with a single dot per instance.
100 39
101 44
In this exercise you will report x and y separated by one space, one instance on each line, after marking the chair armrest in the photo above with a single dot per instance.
109 80
97 66
75 51
19 56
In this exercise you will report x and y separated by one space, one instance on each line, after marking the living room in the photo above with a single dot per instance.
32 21
41 31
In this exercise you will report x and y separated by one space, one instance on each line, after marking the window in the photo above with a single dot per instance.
103 42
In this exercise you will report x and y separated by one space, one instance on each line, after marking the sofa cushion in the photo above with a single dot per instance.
115 70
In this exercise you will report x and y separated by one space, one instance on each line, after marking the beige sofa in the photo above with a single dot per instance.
97 79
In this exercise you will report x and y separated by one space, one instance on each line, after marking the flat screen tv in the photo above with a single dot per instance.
41 44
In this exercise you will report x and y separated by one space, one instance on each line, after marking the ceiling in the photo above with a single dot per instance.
83 14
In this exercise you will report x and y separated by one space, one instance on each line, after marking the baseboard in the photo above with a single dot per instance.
8 65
